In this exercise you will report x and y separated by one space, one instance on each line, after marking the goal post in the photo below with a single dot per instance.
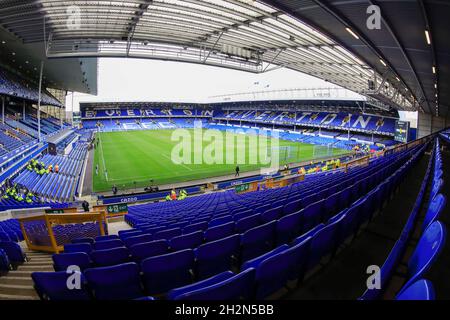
285 153
322 151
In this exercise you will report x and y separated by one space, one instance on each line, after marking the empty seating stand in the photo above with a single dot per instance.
271 236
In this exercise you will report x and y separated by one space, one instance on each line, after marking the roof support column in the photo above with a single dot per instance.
23 108
39 101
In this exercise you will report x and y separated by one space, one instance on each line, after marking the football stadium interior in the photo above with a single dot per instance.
237 197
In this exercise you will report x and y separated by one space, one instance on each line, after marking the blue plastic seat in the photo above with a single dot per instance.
130 233
108 244
119 282
5 264
436 188
165 272
434 210
255 262
271 275
427 251
215 256
83 240
106 237
288 227
13 251
145 250
323 243
219 232
241 214
331 206
273 272
110 257
167 234
195 227
258 240
239 286
271 214
130 241
292 207
63 260
248 222
5 237
186 241
53 286
419 290
174 293
312 215
78 247
220 221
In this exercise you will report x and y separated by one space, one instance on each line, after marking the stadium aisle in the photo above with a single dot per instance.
345 277
441 269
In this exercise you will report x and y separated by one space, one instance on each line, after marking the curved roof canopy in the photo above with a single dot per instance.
248 35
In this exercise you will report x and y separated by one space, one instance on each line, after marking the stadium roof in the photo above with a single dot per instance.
312 36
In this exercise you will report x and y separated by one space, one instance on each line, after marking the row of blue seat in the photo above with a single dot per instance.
426 251
272 269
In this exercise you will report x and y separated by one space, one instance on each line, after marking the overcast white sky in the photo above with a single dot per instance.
129 79
151 80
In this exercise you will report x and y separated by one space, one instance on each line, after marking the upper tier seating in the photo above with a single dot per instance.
12 84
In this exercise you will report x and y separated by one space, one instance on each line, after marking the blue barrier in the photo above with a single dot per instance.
146 196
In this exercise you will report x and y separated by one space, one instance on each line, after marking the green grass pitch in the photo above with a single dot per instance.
138 156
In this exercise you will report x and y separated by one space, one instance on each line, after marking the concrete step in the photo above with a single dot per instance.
38 263
20 273
16 280
18 297
17 289
32 268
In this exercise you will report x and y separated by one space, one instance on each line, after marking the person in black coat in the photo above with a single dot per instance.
85 206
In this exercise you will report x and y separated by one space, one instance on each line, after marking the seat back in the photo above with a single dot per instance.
119 282
109 257
271 214
53 286
13 250
249 222
78 247
187 241
108 244
145 250
427 250
434 210
239 286
258 240
219 232
323 242
83 240
288 227
195 227
419 290
137 239
5 264
167 271
106 237
215 256
63 260
167 234
312 215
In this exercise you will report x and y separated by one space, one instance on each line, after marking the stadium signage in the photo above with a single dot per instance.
117 208
54 211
